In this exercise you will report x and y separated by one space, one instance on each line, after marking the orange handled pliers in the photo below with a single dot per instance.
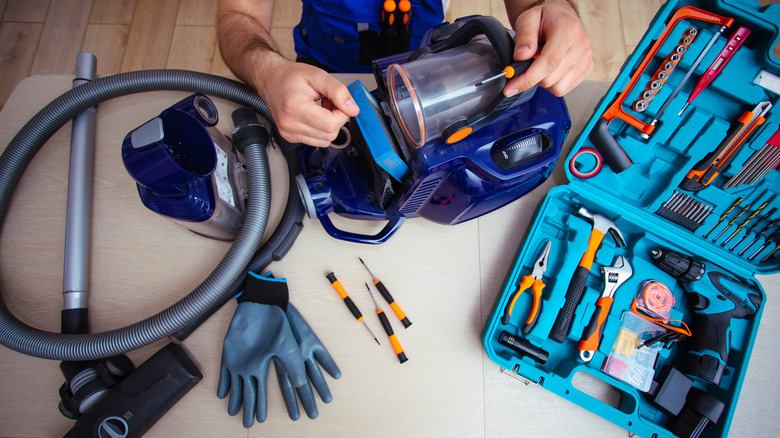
533 281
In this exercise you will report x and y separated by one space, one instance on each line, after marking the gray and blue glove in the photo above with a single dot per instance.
266 327
314 353
259 332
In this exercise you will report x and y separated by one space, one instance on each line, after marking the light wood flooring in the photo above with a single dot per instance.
43 36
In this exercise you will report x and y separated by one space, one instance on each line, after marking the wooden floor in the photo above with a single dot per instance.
43 36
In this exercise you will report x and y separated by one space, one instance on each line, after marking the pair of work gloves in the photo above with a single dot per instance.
265 328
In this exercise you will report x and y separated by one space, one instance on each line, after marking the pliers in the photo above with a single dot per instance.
533 281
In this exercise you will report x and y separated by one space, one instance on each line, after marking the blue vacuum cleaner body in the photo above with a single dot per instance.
505 152
186 170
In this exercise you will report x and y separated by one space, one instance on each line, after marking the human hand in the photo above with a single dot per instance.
565 58
292 91
314 353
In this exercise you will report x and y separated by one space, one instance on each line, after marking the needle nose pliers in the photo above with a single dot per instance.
533 281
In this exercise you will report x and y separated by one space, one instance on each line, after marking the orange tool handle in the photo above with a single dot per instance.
711 165
686 12
388 12
594 242
536 307
404 16
591 338
393 340
389 298
343 294
525 282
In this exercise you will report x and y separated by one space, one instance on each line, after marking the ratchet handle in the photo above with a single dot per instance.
573 297
594 331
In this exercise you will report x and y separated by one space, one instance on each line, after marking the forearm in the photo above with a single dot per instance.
516 7
245 42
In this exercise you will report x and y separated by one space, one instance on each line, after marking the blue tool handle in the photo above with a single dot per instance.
608 147
573 297
385 233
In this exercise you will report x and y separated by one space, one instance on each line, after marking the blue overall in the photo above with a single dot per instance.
343 35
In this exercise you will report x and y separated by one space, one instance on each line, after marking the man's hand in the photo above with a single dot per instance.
565 58
293 90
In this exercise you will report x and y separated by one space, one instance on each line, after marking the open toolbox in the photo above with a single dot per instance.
676 223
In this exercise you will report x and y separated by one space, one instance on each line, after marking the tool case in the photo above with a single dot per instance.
666 186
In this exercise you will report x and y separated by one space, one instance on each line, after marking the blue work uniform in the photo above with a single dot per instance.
346 35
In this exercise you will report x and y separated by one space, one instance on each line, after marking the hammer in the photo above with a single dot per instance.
601 226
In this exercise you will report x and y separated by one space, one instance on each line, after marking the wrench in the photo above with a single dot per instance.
614 276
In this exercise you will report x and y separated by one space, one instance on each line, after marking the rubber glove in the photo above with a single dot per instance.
313 353
259 332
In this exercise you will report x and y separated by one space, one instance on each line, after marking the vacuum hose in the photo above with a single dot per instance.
18 336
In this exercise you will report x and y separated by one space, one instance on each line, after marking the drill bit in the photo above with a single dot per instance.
745 222
723 216
760 233
731 222
753 227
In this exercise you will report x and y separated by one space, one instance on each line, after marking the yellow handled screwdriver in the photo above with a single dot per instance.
348 301
389 298
388 329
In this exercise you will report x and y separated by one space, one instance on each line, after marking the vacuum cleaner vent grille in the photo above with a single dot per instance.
420 195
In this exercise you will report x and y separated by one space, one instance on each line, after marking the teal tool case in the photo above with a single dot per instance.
644 202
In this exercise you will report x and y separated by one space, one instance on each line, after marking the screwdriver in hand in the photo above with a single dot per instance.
509 71
388 329
348 301
389 298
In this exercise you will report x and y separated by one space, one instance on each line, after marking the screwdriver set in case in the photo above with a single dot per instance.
649 279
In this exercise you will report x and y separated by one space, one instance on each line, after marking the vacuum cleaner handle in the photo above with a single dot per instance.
495 32
385 233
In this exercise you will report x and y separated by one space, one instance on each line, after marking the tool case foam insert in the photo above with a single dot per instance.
631 198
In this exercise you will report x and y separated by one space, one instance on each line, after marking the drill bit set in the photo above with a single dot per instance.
682 218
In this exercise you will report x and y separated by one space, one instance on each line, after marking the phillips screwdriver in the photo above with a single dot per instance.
509 71
388 329
348 301
734 43
389 298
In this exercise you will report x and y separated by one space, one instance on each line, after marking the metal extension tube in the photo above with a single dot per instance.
210 294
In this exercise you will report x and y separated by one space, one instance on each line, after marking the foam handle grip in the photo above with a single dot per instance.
573 297
592 337
610 150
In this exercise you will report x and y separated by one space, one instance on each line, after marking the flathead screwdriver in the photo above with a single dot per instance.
388 329
389 298
348 301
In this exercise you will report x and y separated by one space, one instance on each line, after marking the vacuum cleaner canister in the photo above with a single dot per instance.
431 142
186 170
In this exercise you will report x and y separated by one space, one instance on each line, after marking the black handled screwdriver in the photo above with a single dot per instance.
348 301
388 329
389 298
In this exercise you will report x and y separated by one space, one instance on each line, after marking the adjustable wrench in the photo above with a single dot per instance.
614 276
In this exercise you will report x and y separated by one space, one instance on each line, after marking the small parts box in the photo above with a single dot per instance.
648 257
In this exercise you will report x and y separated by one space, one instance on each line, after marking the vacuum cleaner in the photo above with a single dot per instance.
437 138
